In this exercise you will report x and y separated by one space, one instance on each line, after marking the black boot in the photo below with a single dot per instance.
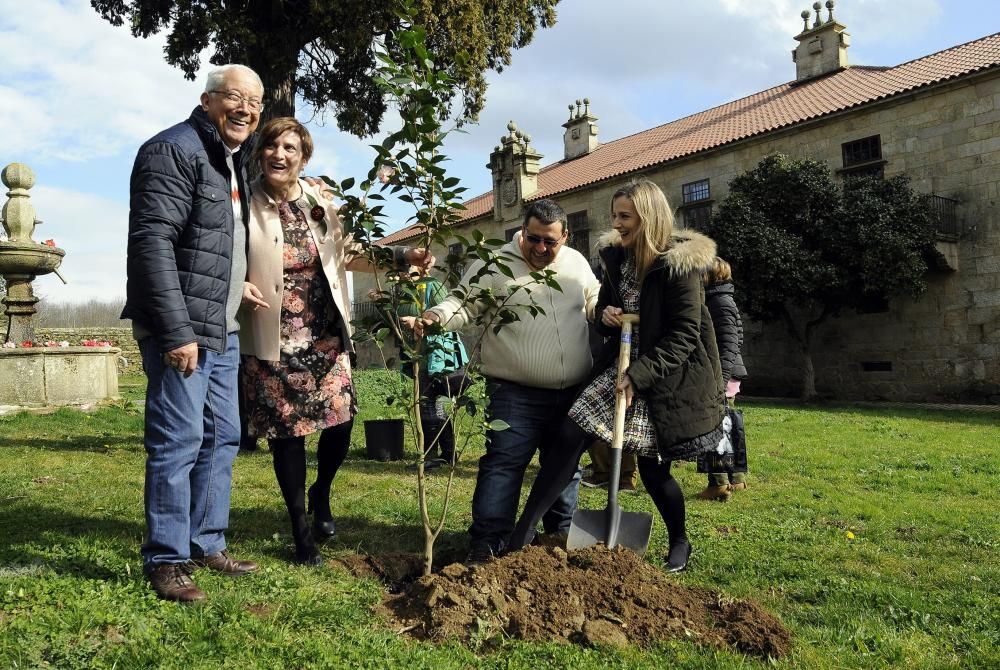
330 454
290 468
319 506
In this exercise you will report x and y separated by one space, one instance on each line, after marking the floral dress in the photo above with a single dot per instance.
594 409
310 387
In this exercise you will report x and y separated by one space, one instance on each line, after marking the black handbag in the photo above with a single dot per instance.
731 453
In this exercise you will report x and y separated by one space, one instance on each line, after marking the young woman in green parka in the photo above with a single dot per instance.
673 383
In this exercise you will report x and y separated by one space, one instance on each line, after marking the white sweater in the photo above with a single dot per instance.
550 350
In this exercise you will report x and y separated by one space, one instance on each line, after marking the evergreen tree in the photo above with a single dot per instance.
804 249
326 51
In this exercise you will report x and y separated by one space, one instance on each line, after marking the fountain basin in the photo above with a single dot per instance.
56 376
28 258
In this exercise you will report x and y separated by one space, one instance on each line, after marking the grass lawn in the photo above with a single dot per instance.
873 534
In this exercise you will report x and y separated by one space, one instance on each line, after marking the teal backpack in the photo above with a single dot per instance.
445 352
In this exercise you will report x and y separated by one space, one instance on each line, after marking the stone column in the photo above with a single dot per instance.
21 258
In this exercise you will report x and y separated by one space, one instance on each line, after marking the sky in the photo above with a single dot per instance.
78 96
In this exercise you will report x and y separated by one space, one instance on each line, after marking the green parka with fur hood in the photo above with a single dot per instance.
678 371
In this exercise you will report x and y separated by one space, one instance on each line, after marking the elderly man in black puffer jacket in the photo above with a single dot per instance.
186 267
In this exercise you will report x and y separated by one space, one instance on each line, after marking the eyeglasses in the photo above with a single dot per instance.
253 104
535 240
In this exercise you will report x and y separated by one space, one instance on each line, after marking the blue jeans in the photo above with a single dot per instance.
192 436
534 416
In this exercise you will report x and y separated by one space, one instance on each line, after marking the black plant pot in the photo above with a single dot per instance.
384 439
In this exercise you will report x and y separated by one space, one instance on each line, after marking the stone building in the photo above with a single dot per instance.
935 119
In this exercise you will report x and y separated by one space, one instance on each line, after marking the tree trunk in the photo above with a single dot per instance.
280 96
804 337
808 374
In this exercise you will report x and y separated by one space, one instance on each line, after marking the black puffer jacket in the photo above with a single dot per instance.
728 329
180 234
677 372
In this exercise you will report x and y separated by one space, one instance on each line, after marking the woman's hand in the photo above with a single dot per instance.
409 321
253 296
625 386
612 317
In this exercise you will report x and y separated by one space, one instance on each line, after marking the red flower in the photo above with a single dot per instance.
49 243
27 344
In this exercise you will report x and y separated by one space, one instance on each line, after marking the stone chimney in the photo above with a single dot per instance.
514 164
580 137
822 47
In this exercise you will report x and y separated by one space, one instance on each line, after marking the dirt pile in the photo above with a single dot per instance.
594 596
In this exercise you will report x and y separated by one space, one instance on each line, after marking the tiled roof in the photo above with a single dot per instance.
763 112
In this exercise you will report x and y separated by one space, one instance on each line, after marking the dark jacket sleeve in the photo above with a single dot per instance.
608 296
679 313
162 193
725 319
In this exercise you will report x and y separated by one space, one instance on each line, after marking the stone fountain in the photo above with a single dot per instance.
33 375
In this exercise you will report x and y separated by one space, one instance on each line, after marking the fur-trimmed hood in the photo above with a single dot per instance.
689 251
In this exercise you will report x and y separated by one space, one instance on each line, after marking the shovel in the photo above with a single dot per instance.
612 525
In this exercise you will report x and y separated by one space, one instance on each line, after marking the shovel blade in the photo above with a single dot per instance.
590 527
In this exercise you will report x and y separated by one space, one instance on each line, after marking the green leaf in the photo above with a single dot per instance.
498 424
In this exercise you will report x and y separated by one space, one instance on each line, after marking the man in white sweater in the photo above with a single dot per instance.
533 369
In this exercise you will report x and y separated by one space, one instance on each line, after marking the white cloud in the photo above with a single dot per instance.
93 231
85 88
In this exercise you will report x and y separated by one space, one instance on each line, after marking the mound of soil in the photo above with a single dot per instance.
594 596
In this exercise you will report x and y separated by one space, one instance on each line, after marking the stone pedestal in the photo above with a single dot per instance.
44 376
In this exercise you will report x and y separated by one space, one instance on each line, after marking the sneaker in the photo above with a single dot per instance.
480 553
677 559
592 483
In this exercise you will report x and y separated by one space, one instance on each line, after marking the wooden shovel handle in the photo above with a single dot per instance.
624 349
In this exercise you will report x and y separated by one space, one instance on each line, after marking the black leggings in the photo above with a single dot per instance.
558 470
289 455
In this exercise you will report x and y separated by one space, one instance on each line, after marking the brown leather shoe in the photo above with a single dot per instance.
172 581
715 493
222 562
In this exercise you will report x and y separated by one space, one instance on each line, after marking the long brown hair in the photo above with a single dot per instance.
656 222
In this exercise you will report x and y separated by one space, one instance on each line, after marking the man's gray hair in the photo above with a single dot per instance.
217 77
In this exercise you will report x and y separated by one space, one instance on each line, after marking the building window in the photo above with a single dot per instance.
698 218
579 232
696 191
863 157
510 232
455 261
696 207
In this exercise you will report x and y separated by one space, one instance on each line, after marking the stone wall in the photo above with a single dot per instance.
119 337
